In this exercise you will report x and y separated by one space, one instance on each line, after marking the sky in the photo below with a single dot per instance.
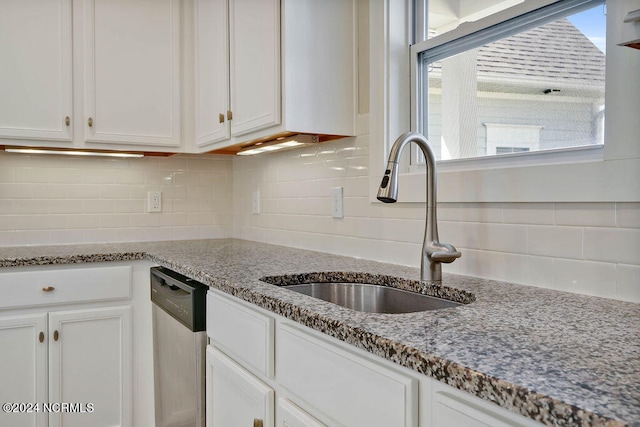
592 24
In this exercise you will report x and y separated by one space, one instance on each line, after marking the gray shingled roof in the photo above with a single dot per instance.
556 51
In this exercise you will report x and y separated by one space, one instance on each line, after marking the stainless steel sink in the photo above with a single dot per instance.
372 298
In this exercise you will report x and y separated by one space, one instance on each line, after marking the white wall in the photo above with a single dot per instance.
46 199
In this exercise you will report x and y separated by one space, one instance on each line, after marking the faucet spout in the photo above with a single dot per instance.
434 253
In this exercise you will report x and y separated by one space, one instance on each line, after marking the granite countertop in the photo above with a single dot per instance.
559 358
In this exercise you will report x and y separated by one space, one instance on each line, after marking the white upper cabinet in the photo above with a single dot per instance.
132 72
35 88
211 71
269 67
254 64
237 67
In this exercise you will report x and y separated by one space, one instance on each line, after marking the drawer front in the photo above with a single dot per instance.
66 285
346 387
455 408
242 332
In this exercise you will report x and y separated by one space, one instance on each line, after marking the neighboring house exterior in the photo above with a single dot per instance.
536 90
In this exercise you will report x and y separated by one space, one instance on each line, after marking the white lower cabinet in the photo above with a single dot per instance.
320 381
455 408
23 367
234 396
90 364
290 415
66 364
344 386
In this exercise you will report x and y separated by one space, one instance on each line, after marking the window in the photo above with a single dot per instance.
498 77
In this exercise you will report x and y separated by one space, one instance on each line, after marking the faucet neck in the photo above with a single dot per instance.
433 252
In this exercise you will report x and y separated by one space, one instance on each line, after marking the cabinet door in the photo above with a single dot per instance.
234 396
255 64
289 415
211 71
90 363
35 88
132 72
23 361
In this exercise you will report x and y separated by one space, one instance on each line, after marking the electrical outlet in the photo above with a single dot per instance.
255 202
336 202
154 201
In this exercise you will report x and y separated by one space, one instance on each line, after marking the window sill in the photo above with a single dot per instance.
583 154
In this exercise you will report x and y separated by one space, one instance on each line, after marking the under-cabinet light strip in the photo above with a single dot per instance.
71 152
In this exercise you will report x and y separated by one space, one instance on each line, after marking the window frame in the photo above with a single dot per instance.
591 174
470 35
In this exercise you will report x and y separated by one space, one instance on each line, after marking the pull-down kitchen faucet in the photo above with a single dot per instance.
433 252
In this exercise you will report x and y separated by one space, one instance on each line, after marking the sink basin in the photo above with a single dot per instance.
372 298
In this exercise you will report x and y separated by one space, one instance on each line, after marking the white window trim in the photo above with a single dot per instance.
581 174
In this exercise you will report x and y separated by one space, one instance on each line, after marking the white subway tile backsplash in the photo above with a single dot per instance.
619 245
628 215
628 282
528 213
115 191
591 248
471 212
553 241
586 277
16 191
61 200
586 214
98 206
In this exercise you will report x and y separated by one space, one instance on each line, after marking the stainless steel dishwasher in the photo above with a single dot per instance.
179 345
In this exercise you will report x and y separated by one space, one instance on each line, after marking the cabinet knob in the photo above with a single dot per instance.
41 337
90 122
67 120
229 115
48 289
257 422
56 335
221 118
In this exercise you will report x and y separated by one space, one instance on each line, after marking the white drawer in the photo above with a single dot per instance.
242 332
63 285
348 388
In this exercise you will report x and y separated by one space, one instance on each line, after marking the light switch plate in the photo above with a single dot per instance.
336 202
255 202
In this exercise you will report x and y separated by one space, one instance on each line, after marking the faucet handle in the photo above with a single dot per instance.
446 257
444 253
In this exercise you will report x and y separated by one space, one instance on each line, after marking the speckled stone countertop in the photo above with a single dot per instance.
559 358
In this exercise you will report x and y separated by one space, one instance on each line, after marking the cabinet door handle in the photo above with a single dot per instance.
90 122
41 337
229 115
48 289
221 118
56 335
67 120
257 422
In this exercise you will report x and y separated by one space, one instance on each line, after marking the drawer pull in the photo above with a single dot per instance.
90 122
56 335
48 289
41 337
67 120
257 422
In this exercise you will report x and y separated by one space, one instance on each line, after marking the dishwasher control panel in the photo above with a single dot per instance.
181 297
